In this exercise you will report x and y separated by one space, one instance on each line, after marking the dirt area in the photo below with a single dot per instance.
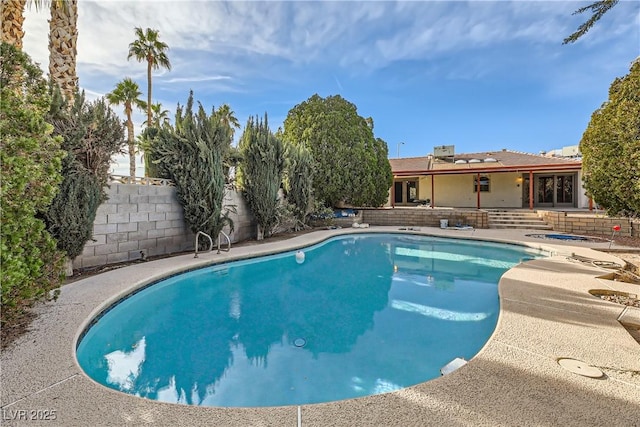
20 325
632 257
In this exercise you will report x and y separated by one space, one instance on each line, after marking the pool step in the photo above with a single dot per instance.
516 219
223 271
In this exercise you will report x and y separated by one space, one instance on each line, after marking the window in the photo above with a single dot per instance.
484 183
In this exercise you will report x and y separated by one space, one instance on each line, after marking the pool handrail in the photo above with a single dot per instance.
210 243
228 242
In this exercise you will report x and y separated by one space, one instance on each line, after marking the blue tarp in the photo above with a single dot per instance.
344 213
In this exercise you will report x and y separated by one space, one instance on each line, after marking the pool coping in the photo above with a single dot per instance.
546 313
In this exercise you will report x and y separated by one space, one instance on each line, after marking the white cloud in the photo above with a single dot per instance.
244 48
196 79
237 39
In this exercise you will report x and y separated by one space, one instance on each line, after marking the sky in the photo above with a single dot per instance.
478 75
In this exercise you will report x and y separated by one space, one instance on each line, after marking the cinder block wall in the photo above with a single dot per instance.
585 223
425 217
148 219
243 222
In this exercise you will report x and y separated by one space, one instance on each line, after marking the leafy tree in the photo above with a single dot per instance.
190 153
610 148
30 161
128 94
380 172
348 166
261 168
598 9
92 133
298 182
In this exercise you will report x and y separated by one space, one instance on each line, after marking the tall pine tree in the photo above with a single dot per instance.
261 170
191 153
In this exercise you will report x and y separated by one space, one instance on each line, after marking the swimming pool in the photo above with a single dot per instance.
363 314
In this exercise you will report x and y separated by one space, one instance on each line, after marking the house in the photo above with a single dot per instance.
486 180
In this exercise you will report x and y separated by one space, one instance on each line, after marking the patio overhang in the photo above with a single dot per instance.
461 171
529 169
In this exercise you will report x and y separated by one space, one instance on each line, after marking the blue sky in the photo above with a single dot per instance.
479 75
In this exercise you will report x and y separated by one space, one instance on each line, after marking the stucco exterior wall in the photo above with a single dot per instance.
583 200
457 191
506 191
424 188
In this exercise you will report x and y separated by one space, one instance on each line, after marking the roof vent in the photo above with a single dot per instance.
460 162
475 161
490 160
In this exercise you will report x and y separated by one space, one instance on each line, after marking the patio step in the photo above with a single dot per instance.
516 219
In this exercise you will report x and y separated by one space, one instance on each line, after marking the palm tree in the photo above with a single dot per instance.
226 116
159 116
63 46
128 93
228 119
148 47
12 15
63 37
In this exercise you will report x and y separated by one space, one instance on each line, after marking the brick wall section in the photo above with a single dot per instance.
587 223
425 217
148 219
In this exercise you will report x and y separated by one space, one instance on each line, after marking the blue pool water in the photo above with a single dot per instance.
363 314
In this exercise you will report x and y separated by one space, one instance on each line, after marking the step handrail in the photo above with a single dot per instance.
210 243
228 242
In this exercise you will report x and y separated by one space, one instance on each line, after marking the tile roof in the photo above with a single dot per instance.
410 163
503 158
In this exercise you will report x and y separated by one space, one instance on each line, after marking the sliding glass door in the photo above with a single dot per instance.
551 190
405 192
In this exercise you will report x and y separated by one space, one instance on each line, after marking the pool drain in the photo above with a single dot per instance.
299 342
579 367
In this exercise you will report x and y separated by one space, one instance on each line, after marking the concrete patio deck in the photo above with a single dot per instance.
546 313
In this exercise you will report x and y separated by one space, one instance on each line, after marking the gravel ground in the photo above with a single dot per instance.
622 299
